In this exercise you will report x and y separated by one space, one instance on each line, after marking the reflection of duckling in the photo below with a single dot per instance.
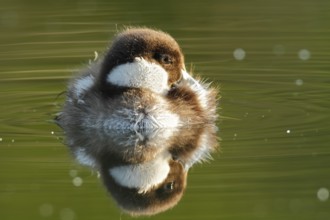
141 83
141 185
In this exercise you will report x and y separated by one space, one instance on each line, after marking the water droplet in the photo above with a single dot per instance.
67 214
46 210
73 173
239 54
299 82
304 54
77 181
323 194
288 131
52 132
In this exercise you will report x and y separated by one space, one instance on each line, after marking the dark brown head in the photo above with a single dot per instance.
140 57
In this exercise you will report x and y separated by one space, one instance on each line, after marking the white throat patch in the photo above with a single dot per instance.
140 74
142 176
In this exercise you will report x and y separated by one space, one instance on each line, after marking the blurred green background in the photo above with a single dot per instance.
271 59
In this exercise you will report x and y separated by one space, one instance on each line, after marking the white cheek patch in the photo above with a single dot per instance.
82 85
142 176
140 74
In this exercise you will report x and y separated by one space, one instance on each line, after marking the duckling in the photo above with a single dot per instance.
140 83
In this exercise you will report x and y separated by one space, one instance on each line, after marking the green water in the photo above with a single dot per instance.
274 161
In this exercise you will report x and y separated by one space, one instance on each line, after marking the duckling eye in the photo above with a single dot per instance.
173 86
163 58
168 187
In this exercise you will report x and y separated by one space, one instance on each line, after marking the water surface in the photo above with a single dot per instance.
269 58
